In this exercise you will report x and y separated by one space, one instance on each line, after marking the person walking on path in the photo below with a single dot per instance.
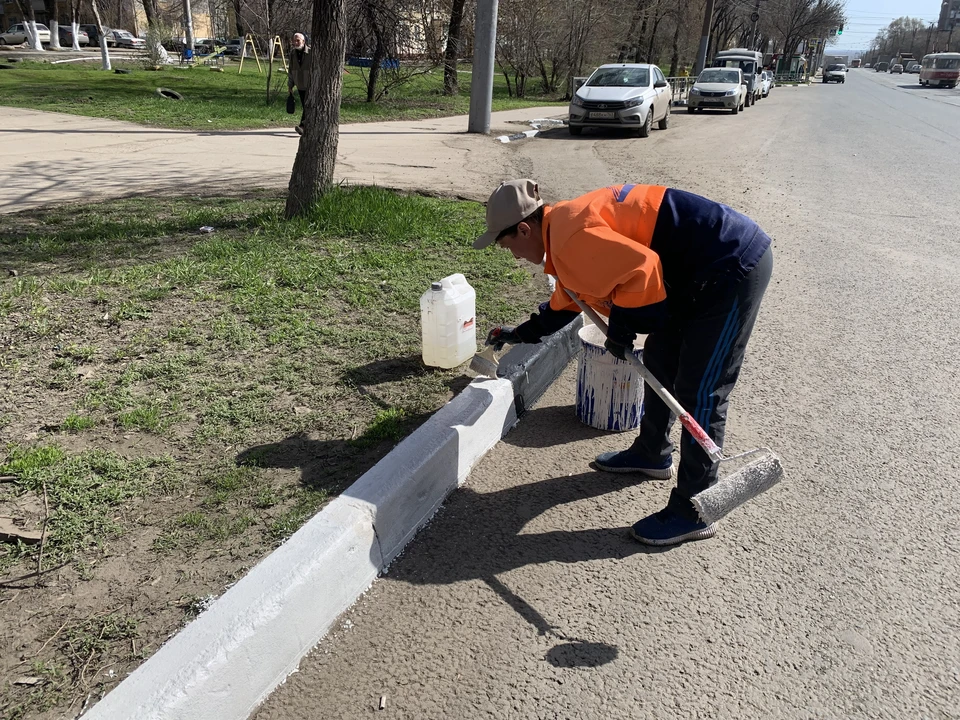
297 75
686 271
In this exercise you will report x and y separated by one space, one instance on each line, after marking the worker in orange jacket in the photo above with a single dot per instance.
686 271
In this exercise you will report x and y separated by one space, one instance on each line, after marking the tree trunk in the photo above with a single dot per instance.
53 12
675 57
379 51
30 24
151 8
237 18
316 157
104 53
451 85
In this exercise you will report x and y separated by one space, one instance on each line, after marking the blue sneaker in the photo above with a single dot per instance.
668 528
627 461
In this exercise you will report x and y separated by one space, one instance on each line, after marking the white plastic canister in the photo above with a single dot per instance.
609 390
448 320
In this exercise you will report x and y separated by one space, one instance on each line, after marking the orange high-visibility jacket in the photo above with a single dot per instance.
631 245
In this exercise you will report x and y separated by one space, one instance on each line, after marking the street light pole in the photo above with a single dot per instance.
484 54
704 39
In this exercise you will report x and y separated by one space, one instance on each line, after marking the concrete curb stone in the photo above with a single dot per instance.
230 658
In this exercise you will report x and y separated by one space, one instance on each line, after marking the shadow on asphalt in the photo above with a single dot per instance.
564 428
592 134
480 536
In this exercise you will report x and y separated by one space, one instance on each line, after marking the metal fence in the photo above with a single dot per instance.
680 88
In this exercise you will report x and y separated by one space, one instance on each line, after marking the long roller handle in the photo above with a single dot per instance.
686 419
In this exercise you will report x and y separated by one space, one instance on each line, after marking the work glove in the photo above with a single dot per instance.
617 348
620 339
503 335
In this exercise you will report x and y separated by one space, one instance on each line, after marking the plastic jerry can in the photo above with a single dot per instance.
448 319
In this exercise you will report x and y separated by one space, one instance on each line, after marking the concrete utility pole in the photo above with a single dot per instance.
484 53
704 39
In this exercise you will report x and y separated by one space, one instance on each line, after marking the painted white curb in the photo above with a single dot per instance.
226 662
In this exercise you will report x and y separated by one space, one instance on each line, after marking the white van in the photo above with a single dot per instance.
750 62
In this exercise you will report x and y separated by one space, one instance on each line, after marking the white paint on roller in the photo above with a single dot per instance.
738 487
224 663
609 390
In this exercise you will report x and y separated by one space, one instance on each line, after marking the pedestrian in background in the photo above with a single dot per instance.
297 75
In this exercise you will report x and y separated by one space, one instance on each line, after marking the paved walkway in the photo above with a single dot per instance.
47 158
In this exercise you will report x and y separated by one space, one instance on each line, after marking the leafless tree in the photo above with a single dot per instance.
451 84
797 20
151 8
905 34
101 32
316 158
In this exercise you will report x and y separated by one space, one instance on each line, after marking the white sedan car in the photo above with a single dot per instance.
622 95
718 89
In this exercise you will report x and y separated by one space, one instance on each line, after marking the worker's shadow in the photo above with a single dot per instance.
480 536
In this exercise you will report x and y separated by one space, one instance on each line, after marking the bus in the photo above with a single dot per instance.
940 70
855 63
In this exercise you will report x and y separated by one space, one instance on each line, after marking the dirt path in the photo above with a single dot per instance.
47 158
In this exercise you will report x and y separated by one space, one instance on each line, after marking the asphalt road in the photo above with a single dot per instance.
837 594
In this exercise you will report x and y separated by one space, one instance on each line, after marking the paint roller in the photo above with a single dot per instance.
756 475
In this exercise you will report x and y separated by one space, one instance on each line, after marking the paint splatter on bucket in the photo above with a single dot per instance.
609 390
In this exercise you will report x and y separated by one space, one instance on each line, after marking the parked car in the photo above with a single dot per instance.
766 83
233 47
867 65
898 68
65 33
718 89
94 34
913 67
881 66
835 73
17 35
125 39
622 95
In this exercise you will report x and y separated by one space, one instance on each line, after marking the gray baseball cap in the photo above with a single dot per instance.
510 203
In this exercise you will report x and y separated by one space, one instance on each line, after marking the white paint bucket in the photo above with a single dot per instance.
609 390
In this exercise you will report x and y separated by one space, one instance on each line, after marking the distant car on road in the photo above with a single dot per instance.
94 34
126 39
718 89
898 68
17 35
913 67
622 95
65 33
881 67
766 82
835 73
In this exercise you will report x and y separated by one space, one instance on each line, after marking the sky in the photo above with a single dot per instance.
866 17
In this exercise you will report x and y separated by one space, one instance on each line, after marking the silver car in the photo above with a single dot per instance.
718 89
622 95
17 35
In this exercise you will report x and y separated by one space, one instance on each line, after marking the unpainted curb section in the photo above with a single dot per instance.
228 660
